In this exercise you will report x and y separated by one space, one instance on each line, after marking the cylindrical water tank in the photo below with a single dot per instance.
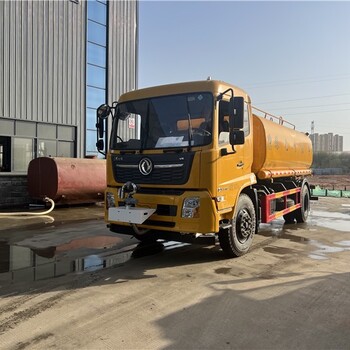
279 151
67 180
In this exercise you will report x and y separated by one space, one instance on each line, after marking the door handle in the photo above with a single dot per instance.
240 164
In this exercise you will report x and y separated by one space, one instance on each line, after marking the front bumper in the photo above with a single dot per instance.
168 212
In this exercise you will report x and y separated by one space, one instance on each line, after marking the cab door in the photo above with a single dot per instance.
234 163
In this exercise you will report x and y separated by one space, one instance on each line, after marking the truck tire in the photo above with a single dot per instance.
236 240
290 217
302 213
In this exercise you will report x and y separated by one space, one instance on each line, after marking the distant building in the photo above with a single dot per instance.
327 142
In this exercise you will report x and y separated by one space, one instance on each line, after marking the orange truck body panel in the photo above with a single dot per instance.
279 151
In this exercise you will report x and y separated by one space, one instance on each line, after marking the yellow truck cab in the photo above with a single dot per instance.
191 158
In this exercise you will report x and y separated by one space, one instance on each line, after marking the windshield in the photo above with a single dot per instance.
171 121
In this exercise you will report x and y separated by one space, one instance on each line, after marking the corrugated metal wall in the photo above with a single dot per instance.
42 44
123 53
42 56
122 43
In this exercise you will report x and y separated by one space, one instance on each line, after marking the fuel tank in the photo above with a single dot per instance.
279 151
67 180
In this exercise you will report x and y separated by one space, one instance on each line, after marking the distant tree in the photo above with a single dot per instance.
332 160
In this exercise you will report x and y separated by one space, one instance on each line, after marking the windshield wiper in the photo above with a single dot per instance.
189 126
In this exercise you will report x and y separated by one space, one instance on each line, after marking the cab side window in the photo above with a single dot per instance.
224 125
246 124
224 131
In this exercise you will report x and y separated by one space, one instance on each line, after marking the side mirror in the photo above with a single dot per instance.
100 126
237 137
100 145
103 111
236 113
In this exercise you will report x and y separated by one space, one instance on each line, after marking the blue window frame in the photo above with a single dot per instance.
97 11
96 54
90 118
96 33
96 66
96 76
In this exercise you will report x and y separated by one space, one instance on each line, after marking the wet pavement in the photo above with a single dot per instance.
69 240
291 288
75 240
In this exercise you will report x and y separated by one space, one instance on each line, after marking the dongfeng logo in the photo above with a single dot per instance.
145 166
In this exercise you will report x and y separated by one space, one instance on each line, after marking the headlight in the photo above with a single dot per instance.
110 201
190 207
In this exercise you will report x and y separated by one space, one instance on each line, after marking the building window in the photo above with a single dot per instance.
5 154
29 140
47 148
23 153
66 149
96 65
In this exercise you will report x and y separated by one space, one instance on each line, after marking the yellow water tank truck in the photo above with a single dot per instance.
194 160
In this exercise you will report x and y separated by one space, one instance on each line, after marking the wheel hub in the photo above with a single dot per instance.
244 225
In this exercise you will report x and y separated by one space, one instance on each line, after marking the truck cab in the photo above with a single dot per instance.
179 164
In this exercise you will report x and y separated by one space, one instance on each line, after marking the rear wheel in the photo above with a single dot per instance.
302 213
236 240
290 217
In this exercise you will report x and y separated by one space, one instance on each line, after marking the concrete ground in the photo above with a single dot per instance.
66 282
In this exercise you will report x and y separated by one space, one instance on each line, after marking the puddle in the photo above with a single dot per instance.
343 243
333 220
322 250
279 230
18 264
274 228
329 214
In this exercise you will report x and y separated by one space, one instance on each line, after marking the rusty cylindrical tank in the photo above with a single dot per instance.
67 180
280 151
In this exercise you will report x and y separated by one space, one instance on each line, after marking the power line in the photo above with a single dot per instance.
294 81
302 99
319 112
336 76
298 107
323 124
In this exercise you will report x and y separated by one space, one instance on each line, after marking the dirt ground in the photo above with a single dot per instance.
331 182
291 291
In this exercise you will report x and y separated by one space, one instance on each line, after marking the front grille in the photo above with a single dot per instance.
158 176
169 169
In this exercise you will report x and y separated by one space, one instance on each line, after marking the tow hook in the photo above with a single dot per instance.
126 193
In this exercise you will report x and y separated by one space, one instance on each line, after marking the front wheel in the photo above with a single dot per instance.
236 240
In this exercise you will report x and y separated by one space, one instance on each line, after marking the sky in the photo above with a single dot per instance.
292 58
